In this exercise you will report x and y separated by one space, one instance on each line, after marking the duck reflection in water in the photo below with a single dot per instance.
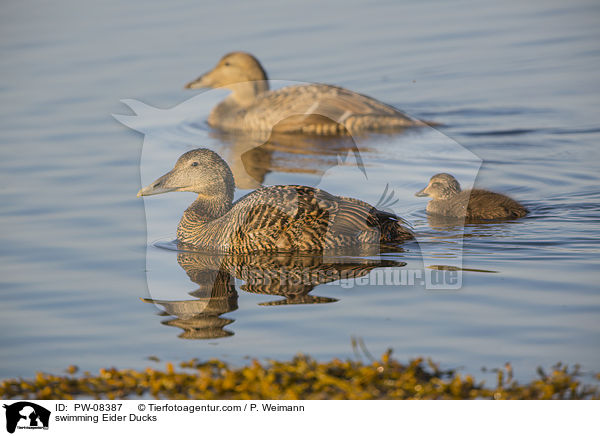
291 276
200 318
253 156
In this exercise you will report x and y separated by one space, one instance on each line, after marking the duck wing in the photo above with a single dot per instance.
489 205
322 109
296 218
389 225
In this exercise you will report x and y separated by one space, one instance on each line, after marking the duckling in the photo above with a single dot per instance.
476 204
285 218
310 109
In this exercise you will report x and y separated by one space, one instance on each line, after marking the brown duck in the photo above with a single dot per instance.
311 109
477 204
285 218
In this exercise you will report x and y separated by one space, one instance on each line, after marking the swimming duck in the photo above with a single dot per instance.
311 109
476 204
286 218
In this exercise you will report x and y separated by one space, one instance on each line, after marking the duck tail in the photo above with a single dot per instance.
392 228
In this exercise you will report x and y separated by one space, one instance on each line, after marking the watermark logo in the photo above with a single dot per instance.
383 171
25 415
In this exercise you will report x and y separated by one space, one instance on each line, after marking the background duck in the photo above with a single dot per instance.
286 218
313 109
477 204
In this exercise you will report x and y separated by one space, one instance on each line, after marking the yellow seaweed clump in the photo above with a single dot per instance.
300 378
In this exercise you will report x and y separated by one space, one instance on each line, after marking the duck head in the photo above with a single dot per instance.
233 68
441 187
201 171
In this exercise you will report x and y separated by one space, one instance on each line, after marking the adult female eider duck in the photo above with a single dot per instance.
310 109
477 204
270 219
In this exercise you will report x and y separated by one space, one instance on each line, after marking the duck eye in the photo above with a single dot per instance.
226 64
194 164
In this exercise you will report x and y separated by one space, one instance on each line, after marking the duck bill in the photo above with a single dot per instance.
422 193
159 186
204 81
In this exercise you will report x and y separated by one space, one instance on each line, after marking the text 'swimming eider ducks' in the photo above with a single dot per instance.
286 218
477 204
311 109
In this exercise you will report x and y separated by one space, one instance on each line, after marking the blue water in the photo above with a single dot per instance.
515 86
